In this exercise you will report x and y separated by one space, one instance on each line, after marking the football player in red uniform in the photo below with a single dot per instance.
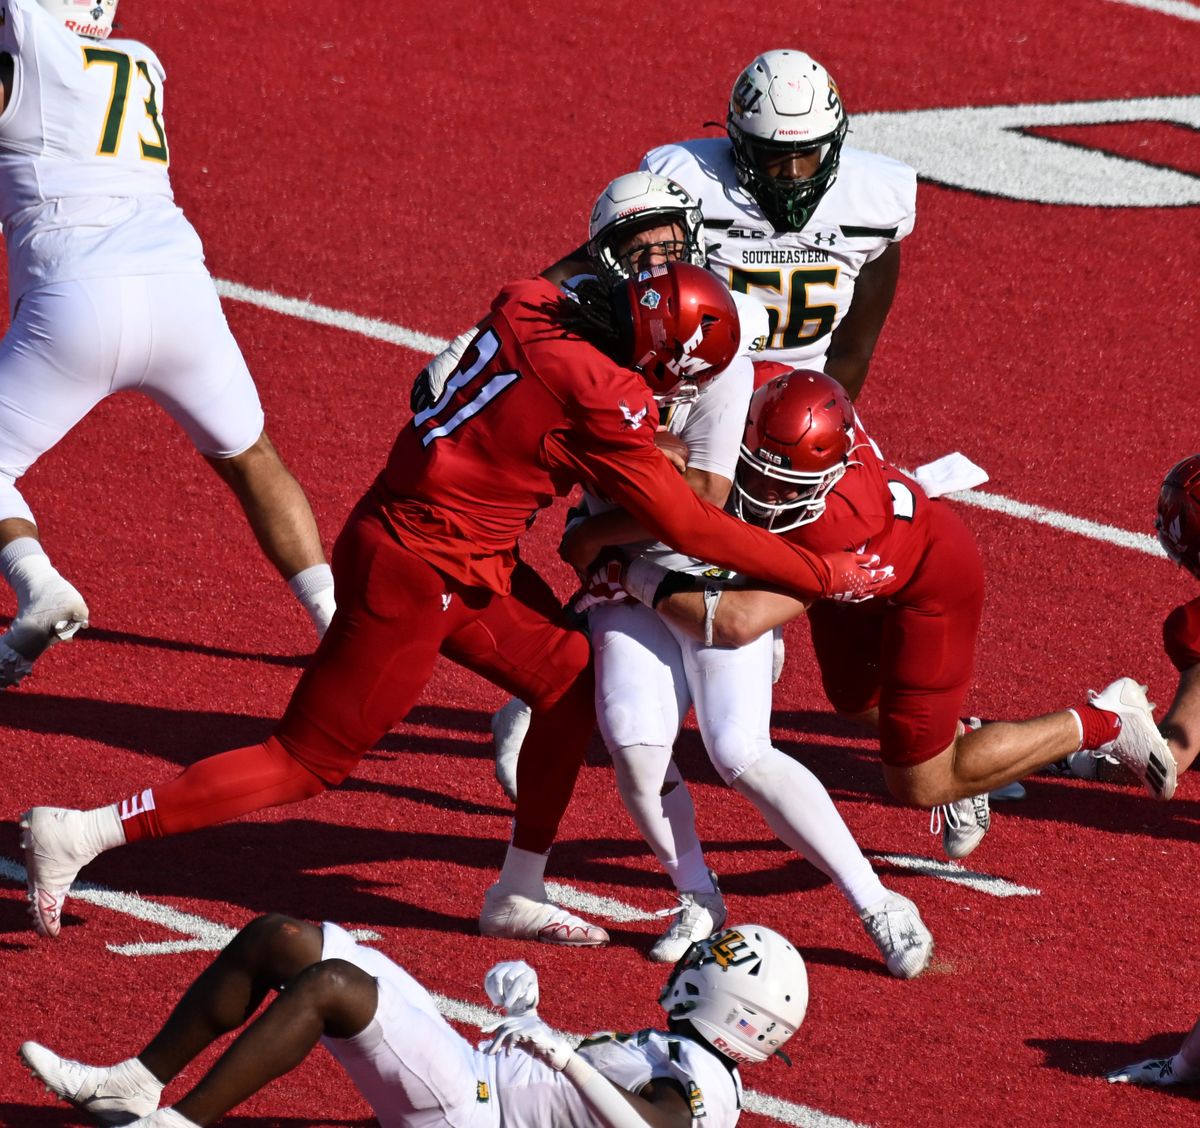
901 663
553 391
1178 526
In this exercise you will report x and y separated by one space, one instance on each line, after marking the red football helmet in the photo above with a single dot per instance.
797 443
1178 519
679 328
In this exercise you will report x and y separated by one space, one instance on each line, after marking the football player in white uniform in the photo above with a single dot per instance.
108 291
734 1000
809 226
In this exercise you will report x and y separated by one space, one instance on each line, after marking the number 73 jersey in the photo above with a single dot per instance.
804 278
84 188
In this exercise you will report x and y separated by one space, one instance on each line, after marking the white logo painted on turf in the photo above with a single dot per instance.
984 149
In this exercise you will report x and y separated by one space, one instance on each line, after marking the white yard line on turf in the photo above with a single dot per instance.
958 875
209 936
423 343
1179 8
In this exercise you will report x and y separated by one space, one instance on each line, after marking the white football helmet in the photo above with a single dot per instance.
93 18
785 102
743 990
632 203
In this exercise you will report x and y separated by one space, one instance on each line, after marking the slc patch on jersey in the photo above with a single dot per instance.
482 1093
696 1100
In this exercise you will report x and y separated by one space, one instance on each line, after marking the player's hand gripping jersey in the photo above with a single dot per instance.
84 190
804 278
528 413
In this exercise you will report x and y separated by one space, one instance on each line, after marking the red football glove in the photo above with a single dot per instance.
605 584
857 576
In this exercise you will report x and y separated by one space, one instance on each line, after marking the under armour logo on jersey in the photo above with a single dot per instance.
633 419
829 236
446 597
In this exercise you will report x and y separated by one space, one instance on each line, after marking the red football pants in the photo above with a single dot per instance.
395 614
911 654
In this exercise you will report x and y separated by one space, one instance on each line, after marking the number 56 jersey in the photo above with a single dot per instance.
805 278
84 188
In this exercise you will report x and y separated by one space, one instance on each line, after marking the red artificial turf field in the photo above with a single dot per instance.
401 162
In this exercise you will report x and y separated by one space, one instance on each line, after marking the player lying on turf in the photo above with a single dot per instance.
733 1000
901 664
554 391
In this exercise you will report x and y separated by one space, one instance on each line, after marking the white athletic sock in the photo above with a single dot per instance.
524 872
667 822
27 568
102 830
798 809
313 587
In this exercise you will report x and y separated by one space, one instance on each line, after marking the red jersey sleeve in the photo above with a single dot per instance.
611 448
1181 635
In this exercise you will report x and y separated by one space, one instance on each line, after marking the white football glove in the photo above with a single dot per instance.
513 985
529 1033
1156 1071
431 380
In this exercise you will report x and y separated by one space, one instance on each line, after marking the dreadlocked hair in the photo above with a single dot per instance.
587 312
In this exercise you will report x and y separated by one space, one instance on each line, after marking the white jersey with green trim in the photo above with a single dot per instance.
84 185
532 1096
804 278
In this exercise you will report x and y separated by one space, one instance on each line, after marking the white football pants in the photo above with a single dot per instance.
72 344
647 673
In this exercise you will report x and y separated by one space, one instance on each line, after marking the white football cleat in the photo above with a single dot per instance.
510 723
58 614
51 838
900 934
697 916
109 1095
516 917
962 823
1139 745
1156 1071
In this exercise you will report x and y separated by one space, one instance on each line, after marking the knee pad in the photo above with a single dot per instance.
734 751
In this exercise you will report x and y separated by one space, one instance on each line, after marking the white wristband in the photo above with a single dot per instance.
712 596
642 578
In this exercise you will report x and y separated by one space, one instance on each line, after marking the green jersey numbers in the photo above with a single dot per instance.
129 78
799 301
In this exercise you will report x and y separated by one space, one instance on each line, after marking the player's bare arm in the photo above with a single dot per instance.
742 614
853 341
1181 725
585 540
